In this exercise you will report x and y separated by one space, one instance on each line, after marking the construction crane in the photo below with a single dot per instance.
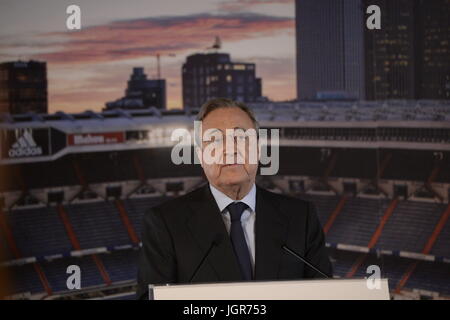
158 62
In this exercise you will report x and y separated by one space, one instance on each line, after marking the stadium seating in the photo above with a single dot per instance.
410 226
5 252
341 261
24 279
391 267
97 224
431 276
346 156
55 272
357 221
442 245
121 265
38 231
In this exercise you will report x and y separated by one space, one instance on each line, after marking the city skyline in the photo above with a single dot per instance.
407 58
89 67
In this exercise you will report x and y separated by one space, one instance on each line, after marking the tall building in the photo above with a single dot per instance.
339 57
23 87
211 75
141 93
433 58
390 52
409 57
330 55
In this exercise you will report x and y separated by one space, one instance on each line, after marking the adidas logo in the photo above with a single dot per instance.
25 146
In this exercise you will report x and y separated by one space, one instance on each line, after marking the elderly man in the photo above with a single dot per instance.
230 229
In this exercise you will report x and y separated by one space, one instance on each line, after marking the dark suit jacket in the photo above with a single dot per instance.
177 234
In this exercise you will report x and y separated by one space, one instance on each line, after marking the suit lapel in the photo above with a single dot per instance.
205 224
270 235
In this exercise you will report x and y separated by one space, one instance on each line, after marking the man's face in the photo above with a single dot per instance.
223 174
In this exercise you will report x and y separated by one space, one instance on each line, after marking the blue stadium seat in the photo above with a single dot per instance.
442 245
410 226
24 279
391 267
342 261
38 231
56 272
121 265
97 224
5 251
357 221
431 276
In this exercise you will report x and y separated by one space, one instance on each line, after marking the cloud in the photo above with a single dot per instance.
86 68
130 39
239 5
105 83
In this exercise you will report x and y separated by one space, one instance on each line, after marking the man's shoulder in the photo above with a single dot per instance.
292 208
179 204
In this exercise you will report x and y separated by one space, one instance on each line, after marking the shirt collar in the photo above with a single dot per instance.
223 200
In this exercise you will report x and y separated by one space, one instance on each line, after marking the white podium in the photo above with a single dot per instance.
314 289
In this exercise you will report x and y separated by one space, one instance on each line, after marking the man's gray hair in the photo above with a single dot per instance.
218 103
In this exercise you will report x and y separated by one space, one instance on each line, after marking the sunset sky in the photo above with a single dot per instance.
89 67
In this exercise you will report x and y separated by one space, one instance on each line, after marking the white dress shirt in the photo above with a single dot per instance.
247 219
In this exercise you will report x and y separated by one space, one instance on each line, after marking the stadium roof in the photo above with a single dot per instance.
330 111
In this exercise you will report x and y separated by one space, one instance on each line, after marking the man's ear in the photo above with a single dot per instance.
199 153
